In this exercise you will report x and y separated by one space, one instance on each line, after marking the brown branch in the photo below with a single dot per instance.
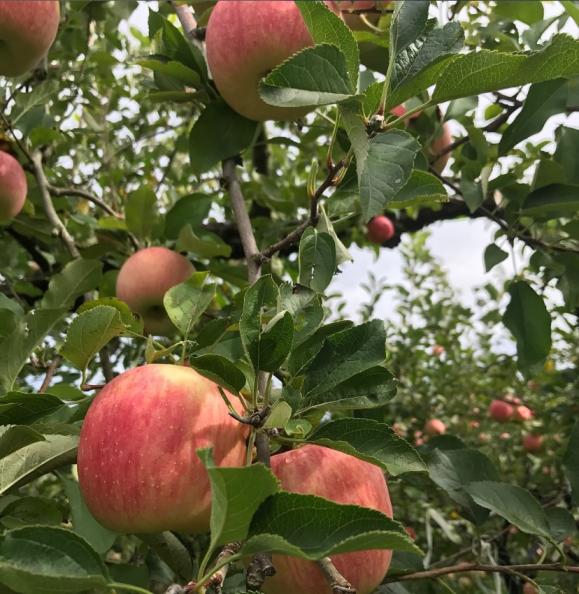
258 570
242 219
216 580
337 582
107 368
87 196
50 371
188 23
51 214
468 567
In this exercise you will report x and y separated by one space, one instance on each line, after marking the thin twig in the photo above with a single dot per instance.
50 370
49 209
217 579
337 582
87 196
188 22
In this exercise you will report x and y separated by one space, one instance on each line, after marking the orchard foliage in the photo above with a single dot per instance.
127 144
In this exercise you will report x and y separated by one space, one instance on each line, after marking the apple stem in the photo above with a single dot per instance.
337 582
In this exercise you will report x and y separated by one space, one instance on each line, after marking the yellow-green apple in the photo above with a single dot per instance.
245 40
532 442
144 279
440 142
27 30
380 229
501 411
137 463
523 413
434 427
316 470
13 187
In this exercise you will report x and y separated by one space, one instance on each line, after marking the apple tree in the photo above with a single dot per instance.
184 404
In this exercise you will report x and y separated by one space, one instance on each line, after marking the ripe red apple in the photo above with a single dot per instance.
27 30
434 427
501 411
440 142
523 413
411 532
532 442
13 186
245 40
342 478
144 279
137 462
528 588
438 350
380 229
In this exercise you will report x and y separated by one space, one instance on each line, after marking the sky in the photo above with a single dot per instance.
459 245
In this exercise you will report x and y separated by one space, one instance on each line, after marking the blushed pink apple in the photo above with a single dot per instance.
501 411
438 350
342 478
440 142
523 413
532 442
27 30
245 40
144 279
434 427
13 186
380 229
137 462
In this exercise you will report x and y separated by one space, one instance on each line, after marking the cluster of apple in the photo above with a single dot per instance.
511 408
139 471
27 30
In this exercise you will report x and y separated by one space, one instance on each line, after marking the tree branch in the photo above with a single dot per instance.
217 579
337 582
51 215
87 196
50 371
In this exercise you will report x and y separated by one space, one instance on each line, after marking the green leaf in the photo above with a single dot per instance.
494 255
325 528
327 27
552 202
561 523
262 295
26 511
18 408
221 370
453 470
571 462
49 560
142 214
421 189
13 438
76 278
236 493
371 441
317 260
409 21
315 76
325 226
276 341
174 69
527 12
17 346
129 319
354 123
543 101
83 523
513 503
388 169
186 302
89 333
345 355
172 551
218 134
208 245
530 323
189 210
571 7
279 416
567 145
484 71
30 462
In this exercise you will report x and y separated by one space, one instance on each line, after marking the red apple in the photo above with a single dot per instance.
342 478
441 141
27 30
523 413
501 411
484 437
438 350
245 40
528 588
411 532
137 462
13 186
144 279
532 442
434 427
380 229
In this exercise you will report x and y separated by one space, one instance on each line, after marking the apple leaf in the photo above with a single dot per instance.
221 370
191 210
174 69
388 168
19 408
561 523
76 278
276 341
315 76
371 441
317 260
186 302
89 332
515 504
206 245
530 323
218 134
571 462
410 18
13 438
142 214
312 527
49 560
355 125
27 511
129 319
422 188
172 551
494 255
552 202
327 27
